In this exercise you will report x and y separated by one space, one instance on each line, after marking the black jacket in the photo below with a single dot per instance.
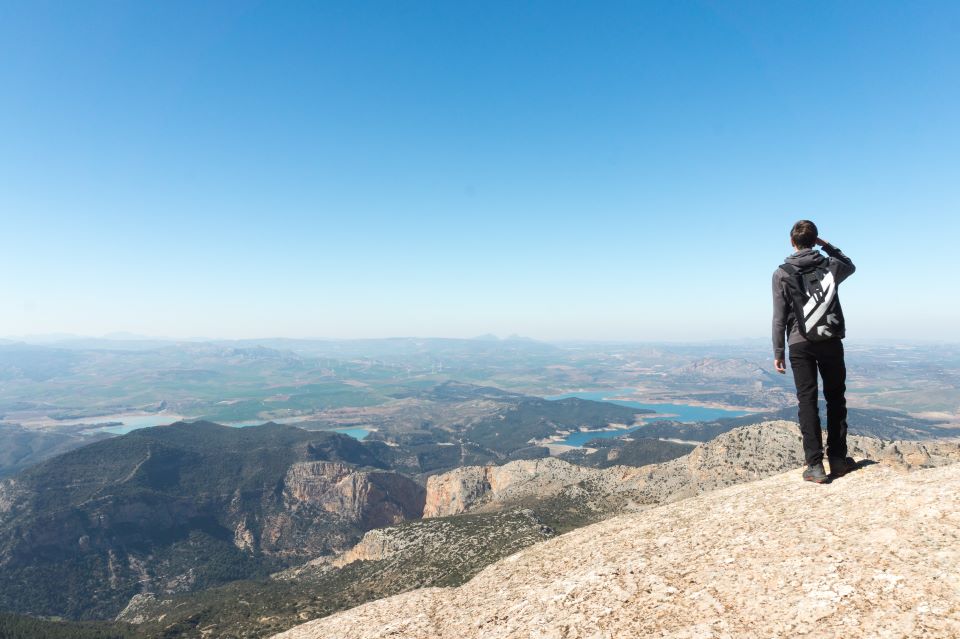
784 321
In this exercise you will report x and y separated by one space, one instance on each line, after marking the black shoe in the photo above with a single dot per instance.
840 466
815 473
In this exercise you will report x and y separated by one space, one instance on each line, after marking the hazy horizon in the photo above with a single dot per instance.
121 336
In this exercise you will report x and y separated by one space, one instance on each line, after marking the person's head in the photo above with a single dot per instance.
803 235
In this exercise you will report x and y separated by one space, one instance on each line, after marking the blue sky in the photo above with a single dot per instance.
558 170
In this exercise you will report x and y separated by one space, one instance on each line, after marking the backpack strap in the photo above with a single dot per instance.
794 285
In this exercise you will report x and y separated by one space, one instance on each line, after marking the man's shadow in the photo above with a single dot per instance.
863 463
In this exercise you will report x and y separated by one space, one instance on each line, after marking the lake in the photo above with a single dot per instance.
134 422
674 412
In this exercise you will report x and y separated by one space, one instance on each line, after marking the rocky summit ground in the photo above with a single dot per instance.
873 554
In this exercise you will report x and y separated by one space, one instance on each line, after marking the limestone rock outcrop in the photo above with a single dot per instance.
369 498
471 487
743 454
906 455
875 553
454 540
339 500
8 489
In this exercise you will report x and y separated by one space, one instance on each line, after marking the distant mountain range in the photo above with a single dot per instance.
264 379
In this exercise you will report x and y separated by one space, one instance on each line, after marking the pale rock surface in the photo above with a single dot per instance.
8 489
374 498
874 554
470 487
743 454
453 540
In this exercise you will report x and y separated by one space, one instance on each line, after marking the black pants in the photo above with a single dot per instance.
805 359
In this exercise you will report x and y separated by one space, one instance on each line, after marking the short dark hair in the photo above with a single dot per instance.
804 234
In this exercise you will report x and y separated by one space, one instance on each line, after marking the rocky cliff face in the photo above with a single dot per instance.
7 489
906 455
473 487
873 554
740 455
324 507
508 508
184 507
370 499
744 454
455 541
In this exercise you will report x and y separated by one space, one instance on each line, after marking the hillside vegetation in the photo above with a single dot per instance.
874 554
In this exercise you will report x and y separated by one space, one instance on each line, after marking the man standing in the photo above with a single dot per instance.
807 309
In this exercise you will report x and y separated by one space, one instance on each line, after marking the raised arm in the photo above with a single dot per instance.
845 265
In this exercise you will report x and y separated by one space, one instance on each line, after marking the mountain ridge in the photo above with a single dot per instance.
778 556
519 508
184 507
741 454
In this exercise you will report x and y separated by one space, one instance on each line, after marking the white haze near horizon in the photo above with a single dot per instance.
55 339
